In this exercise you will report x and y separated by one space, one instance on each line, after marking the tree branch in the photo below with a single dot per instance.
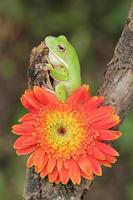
118 81
118 91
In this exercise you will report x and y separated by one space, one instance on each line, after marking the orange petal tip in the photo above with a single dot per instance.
86 86
117 118
100 173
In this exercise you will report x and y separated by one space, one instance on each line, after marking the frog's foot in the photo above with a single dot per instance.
49 66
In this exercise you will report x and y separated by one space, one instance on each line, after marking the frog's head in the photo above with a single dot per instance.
61 51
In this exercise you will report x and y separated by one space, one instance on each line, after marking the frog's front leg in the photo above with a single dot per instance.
59 74
61 92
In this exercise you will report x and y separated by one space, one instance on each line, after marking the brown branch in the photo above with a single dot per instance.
118 91
118 81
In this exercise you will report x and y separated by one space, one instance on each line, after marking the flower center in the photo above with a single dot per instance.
61 131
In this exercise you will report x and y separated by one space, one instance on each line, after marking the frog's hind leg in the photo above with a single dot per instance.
61 92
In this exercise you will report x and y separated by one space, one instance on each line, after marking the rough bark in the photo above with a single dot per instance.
118 81
118 91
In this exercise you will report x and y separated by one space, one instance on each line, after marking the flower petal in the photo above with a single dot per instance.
30 161
110 159
105 163
51 164
24 142
108 135
96 168
97 153
74 172
39 160
53 175
27 150
28 117
57 181
44 96
30 98
101 113
21 129
107 123
80 95
66 164
59 164
44 172
28 123
86 176
84 165
106 149
63 175
93 103
27 105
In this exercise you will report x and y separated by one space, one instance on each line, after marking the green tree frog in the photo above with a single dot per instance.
64 66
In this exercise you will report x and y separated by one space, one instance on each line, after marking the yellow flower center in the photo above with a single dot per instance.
61 132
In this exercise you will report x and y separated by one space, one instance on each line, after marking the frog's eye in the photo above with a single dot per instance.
61 47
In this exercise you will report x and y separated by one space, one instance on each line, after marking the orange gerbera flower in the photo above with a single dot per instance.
65 139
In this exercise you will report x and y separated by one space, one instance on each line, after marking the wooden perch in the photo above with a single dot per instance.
118 91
